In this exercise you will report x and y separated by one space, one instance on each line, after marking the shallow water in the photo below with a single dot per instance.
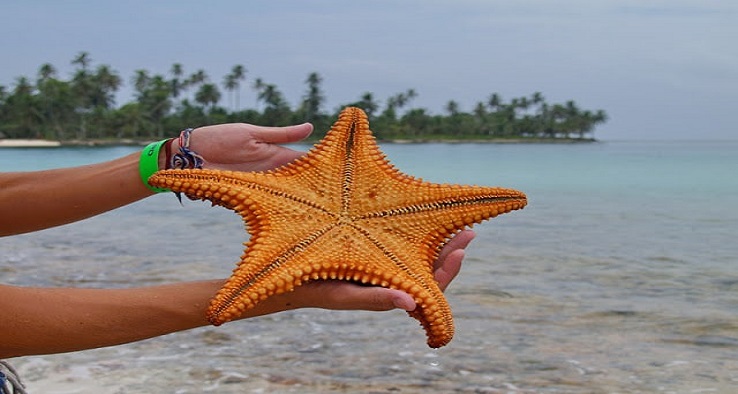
620 276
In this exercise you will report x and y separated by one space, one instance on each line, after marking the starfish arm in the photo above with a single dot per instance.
355 257
430 214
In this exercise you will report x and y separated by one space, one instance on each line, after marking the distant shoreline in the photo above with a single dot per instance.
38 143
25 143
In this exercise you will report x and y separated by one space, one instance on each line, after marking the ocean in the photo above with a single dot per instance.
620 276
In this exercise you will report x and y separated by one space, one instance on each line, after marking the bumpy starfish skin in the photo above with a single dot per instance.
342 212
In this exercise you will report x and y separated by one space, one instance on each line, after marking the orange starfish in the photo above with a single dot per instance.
342 212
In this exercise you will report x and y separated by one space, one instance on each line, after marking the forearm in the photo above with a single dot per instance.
32 201
36 200
55 320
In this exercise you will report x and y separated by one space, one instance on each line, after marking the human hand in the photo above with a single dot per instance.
246 147
342 295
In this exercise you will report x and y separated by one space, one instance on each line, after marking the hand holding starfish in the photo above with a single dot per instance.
341 295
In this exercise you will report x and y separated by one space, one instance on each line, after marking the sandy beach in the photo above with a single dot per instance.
24 143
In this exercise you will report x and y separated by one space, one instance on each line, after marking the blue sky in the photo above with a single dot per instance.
661 69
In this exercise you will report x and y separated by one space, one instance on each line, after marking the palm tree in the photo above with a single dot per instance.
238 72
46 71
141 81
571 122
416 123
46 86
494 102
276 111
368 104
23 111
83 86
524 103
536 98
398 101
409 95
197 78
129 121
599 117
177 85
82 60
258 87
556 121
154 99
452 107
230 84
313 98
106 84
156 102
480 117
509 117
208 95
271 96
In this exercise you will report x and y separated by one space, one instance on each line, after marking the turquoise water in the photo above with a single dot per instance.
620 276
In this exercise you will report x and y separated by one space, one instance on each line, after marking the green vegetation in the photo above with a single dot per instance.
83 108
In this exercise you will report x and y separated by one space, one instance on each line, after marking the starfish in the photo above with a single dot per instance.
341 212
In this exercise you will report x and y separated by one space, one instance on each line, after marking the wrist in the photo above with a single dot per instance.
150 161
181 156
165 157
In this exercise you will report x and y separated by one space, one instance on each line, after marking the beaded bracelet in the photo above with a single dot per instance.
148 164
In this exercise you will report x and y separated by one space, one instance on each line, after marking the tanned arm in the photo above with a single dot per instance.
31 201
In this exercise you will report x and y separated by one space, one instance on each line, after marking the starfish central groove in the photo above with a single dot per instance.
341 212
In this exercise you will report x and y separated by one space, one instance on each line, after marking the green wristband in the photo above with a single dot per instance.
148 164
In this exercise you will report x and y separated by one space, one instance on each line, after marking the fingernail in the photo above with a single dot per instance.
404 303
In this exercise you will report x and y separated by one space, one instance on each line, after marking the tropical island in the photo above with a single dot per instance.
82 109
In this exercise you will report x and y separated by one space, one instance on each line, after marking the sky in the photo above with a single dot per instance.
662 70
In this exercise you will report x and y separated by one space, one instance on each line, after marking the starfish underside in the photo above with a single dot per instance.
341 212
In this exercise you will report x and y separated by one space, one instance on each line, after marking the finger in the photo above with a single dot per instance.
459 241
282 135
382 299
402 300
450 268
341 295
373 298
